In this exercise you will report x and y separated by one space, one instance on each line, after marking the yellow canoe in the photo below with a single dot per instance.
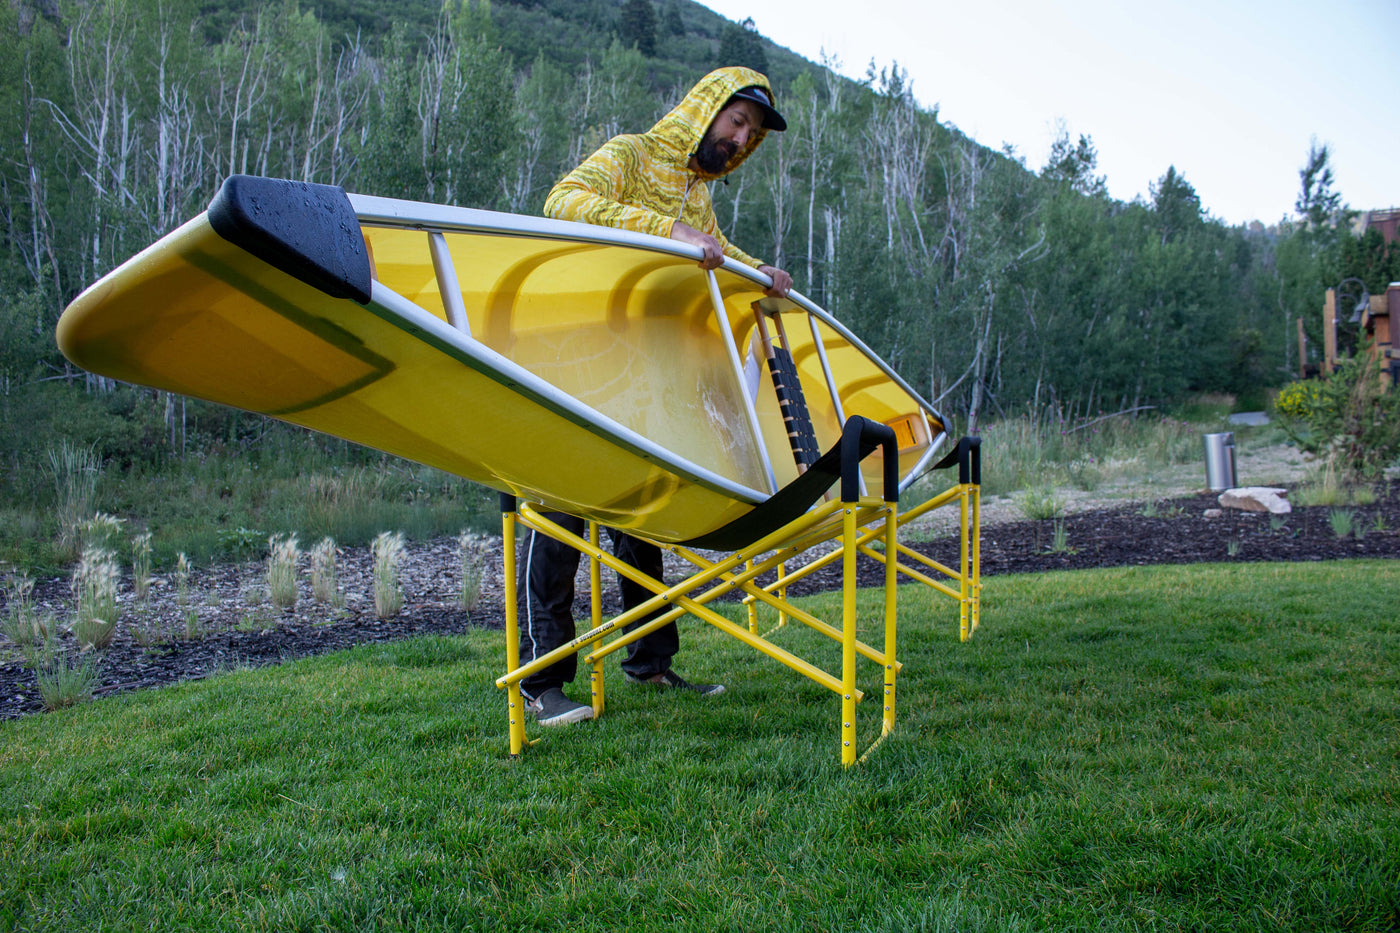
596 371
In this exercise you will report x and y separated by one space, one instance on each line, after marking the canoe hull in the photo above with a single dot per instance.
596 378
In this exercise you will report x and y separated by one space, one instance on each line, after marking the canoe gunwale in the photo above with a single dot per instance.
737 367
375 211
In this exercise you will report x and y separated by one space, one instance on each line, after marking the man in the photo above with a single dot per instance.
656 183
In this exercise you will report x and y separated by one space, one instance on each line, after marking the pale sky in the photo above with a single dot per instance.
1231 92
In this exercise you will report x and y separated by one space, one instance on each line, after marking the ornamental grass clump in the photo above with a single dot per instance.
387 551
75 472
325 587
63 680
21 624
471 557
282 558
182 596
1342 521
95 590
1331 486
101 531
143 630
1086 473
141 565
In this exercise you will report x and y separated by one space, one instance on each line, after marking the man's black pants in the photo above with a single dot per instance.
546 610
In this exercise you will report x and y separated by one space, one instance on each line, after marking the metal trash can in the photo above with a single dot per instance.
1220 461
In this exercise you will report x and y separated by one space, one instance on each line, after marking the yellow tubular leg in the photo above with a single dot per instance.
848 640
782 594
595 577
976 554
752 607
965 592
891 526
595 677
595 594
515 701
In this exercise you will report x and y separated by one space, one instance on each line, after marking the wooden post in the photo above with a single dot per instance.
1383 322
1329 331
1302 351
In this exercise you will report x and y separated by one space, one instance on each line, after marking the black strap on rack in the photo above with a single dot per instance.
968 456
859 438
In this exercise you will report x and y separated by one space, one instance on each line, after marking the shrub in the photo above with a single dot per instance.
239 542
1347 416
1039 503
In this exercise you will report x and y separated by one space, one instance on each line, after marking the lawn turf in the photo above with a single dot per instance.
1203 747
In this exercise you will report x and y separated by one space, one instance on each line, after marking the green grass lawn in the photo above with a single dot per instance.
1204 748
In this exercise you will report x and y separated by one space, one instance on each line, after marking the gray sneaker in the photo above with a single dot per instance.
552 708
673 681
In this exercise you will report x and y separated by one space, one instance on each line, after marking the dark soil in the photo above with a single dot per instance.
236 627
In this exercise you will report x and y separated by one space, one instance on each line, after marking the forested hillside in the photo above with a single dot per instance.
993 286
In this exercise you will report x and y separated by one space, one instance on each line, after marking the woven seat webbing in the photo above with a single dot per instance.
793 406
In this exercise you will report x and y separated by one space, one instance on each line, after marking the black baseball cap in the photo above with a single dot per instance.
772 120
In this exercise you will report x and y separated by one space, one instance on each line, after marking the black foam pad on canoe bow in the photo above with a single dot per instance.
308 231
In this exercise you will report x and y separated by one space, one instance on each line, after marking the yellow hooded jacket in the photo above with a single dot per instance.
644 182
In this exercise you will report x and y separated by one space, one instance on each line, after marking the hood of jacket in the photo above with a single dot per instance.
682 130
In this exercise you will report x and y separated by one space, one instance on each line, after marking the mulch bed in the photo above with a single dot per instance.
235 635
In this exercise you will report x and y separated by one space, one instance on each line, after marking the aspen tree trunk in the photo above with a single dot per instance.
832 221
431 84
248 92
777 169
40 223
351 98
979 366
313 128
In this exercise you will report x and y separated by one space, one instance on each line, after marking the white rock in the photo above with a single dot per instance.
1213 513
1256 499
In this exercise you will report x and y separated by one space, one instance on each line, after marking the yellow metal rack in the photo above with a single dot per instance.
963 585
854 521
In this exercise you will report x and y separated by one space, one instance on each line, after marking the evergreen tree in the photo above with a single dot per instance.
671 22
637 26
1175 203
1371 259
1317 202
740 44
1074 164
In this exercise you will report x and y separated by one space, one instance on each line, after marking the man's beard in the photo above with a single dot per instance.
712 157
